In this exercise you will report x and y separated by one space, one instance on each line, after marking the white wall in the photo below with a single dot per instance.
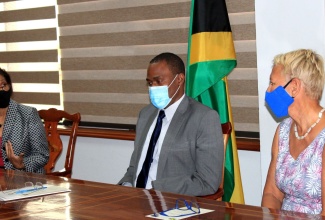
282 26
249 162
99 160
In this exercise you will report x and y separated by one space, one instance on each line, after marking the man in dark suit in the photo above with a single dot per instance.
188 155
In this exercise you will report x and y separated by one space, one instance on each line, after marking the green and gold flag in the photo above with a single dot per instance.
211 57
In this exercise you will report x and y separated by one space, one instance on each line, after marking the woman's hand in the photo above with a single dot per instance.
17 161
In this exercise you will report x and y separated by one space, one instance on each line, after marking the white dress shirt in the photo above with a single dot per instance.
169 112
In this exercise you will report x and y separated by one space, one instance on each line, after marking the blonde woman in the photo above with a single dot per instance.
294 180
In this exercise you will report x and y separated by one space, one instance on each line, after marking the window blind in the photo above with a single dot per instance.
29 51
104 50
106 47
243 85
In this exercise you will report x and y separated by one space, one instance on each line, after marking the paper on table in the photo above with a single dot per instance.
178 212
9 195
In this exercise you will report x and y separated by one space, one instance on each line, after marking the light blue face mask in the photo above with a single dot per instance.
159 95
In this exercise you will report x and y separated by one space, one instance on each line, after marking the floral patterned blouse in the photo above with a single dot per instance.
300 179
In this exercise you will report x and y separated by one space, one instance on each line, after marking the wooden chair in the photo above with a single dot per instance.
51 118
226 130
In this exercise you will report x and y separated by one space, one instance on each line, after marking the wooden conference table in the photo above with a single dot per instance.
91 200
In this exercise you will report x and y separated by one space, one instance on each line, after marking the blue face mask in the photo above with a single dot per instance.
159 95
279 101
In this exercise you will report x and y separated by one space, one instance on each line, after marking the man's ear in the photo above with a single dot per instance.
181 79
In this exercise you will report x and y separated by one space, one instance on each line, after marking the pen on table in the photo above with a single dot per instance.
22 191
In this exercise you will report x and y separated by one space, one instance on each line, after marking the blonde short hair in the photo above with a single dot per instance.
305 65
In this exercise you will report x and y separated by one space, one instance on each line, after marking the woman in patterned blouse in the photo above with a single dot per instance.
22 135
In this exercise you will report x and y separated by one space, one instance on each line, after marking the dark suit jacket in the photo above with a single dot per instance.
24 129
191 157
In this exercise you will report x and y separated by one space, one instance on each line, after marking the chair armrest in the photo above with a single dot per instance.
215 196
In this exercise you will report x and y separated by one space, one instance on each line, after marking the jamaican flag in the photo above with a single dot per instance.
211 57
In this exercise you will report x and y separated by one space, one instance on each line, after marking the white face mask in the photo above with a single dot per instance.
159 95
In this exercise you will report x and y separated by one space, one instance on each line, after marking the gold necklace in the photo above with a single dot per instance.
320 114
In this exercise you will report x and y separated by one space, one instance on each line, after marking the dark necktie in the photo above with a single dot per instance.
143 175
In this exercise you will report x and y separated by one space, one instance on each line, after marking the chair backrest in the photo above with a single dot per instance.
226 130
51 118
